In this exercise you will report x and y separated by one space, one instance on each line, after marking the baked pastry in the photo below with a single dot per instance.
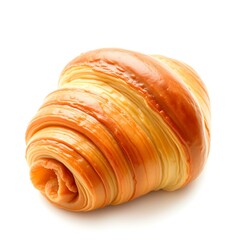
120 125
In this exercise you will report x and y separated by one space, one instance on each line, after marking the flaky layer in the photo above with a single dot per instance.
120 125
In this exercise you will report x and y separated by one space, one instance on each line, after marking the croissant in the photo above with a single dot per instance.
120 125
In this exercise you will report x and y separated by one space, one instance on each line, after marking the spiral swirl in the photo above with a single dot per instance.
120 125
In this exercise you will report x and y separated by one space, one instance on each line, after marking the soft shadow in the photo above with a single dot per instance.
154 203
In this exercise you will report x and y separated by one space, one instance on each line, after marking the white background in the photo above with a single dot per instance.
38 38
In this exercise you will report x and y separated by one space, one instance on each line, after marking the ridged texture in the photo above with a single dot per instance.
120 125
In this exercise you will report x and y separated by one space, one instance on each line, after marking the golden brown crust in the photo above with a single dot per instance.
163 91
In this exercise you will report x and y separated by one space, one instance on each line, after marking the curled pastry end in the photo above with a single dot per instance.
54 181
